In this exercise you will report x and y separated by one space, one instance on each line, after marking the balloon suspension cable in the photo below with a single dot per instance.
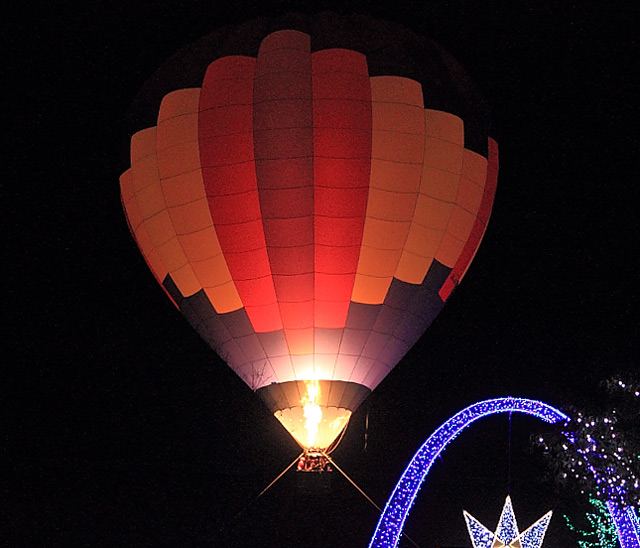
280 475
366 430
263 491
365 495
267 487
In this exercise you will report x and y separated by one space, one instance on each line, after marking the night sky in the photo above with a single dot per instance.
122 428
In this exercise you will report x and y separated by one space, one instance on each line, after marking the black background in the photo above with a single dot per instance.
121 428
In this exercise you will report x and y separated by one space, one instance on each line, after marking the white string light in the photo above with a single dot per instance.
507 533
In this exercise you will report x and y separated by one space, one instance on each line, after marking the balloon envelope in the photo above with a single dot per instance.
309 208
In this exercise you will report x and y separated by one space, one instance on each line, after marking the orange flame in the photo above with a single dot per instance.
312 412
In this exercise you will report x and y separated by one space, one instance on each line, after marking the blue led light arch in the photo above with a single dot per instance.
391 523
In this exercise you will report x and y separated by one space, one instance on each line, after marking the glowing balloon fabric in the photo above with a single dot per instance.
309 218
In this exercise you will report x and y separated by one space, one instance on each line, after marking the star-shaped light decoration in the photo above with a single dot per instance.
507 534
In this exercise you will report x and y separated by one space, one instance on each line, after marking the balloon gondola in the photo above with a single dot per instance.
309 195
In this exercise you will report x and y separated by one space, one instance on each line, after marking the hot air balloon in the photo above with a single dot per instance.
309 194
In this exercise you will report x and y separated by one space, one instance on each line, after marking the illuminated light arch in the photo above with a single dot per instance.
391 523
627 524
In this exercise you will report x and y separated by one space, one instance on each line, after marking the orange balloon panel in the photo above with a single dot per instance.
309 219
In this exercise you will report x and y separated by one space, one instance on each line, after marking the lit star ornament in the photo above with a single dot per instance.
506 534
